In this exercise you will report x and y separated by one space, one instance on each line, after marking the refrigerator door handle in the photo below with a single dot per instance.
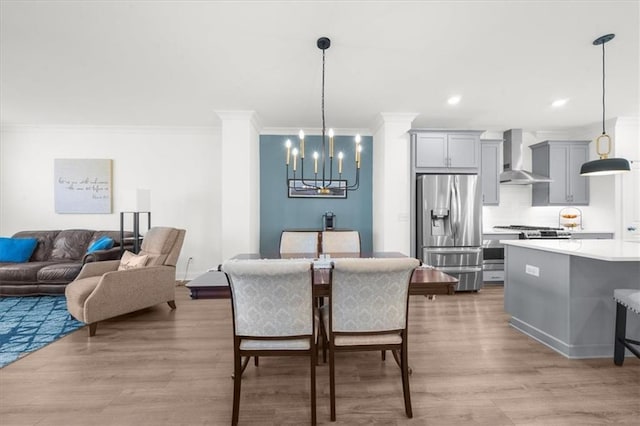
455 208
448 250
459 269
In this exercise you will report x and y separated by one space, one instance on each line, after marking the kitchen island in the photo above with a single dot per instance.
560 292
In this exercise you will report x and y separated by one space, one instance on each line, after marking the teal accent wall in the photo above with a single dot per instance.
279 212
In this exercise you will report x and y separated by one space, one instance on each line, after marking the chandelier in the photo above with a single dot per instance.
322 182
604 165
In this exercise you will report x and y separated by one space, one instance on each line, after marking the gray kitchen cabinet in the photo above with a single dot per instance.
490 169
446 151
561 161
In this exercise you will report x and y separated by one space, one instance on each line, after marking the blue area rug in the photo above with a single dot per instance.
29 323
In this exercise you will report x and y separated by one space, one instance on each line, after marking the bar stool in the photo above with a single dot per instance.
625 299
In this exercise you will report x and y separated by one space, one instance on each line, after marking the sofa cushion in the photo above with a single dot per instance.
59 273
21 272
17 249
45 243
132 261
71 244
102 243
114 235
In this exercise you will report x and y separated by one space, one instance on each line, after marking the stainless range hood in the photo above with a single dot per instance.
512 155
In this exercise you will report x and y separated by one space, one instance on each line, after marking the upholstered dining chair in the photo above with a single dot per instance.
367 311
107 289
340 242
298 242
273 315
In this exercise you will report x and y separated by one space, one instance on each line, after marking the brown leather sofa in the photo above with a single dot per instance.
56 261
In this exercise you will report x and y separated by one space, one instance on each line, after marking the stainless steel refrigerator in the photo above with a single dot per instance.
449 226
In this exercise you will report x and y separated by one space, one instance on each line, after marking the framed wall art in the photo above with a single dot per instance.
298 189
82 185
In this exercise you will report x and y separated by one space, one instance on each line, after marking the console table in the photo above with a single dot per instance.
136 229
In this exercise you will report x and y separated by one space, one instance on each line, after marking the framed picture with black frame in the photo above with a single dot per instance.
335 189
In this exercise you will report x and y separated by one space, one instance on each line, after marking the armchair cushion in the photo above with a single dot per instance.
132 261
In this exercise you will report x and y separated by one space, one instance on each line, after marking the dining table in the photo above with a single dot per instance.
425 280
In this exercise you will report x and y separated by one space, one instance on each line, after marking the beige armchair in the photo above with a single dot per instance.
101 291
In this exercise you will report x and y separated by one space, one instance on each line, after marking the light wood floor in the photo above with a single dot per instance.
158 367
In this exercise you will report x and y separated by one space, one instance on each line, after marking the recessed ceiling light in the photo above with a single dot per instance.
559 102
454 100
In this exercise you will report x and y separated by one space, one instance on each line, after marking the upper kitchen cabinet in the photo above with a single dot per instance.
439 151
490 169
561 161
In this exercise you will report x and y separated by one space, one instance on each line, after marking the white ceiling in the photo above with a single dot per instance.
176 62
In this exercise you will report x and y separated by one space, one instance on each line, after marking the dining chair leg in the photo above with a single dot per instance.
237 377
332 383
243 366
323 337
314 360
255 361
405 378
384 355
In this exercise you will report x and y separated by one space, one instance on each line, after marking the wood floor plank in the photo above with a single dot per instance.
164 367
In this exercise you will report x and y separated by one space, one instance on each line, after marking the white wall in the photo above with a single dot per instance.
179 165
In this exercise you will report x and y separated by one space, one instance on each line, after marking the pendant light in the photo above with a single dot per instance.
323 182
604 165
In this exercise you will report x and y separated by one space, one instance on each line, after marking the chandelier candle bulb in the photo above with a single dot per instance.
331 143
301 136
340 156
295 156
315 162
288 145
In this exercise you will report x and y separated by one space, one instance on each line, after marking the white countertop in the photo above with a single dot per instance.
590 231
493 231
609 250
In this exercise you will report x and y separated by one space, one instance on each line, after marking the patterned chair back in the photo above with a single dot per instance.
370 294
298 242
271 297
340 242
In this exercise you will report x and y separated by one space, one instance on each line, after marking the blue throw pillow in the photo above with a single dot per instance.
17 250
102 243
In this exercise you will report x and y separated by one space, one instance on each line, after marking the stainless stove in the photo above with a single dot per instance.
538 232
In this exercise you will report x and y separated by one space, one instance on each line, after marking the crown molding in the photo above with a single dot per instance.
403 118
293 132
41 128
239 115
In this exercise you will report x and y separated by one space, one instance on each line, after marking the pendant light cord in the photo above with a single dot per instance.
603 130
